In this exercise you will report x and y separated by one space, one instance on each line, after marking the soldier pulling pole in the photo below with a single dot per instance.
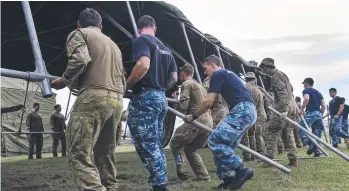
242 147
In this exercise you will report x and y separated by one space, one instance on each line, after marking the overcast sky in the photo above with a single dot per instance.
305 38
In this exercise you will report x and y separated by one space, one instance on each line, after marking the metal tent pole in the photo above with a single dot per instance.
260 78
242 147
133 21
312 135
198 78
66 109
219 55
243 69
39 62
27 132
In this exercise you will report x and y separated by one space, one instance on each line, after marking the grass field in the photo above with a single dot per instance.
48 174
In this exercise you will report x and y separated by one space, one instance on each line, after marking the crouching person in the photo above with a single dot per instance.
226 137
187 137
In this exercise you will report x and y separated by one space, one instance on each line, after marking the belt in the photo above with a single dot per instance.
102 92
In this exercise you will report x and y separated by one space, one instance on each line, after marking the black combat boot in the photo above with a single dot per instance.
243 173
160 188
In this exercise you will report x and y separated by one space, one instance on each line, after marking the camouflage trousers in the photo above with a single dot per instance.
92 129
35 139
336 131
55 142
218 115
314 121
147 112
259 131
280 128
226 137
189 139
297 137
280 144
345 126
249 140
119 133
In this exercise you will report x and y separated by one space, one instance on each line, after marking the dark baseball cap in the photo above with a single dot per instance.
309 81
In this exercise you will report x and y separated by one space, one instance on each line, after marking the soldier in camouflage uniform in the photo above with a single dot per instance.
295 131
226 137
95 69
57 124
187 137
284 103
219 108
269 103
254 138
155 71
34 124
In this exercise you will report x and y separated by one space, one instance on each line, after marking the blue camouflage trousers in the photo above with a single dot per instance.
226 137
345 126
336 131
147 112
314 121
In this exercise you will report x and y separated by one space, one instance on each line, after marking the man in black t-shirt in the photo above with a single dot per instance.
227 135
154 72
336 107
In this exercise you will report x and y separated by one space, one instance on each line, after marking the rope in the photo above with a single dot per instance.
25 100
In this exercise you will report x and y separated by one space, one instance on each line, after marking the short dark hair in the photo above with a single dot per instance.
146 21
298 99
90 17
187 68
213 58
36 104
343 99
57 106
333 90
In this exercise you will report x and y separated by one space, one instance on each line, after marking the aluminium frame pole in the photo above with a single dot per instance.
66 109
242 147
39 61
243 69
133 21
198 78
219 55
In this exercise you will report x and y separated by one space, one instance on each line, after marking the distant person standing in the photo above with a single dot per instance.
336 107
95 69
57 124
34 124
154 72
345 121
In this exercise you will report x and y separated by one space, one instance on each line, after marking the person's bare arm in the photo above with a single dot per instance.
138 71
339 113
305 102
172 80
323 106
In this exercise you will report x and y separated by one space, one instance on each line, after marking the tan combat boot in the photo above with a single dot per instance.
293 162
347 142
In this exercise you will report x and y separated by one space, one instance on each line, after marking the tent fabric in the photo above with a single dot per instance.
13 93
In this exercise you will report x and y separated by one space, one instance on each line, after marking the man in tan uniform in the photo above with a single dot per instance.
284 103
34 124
269 103
219 108
254 137
187 137
57 124
95 69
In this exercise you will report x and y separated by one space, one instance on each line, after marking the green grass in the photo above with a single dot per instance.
325 174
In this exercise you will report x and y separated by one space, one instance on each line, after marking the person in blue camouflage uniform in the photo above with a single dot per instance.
226 137
336 107
312 100
345 121
154 72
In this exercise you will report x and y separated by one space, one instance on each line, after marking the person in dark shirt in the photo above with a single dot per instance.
314 106
154 72
345 121
57 124
34 124
226 137
336 107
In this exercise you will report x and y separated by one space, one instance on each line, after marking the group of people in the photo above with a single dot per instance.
34 125
223 102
